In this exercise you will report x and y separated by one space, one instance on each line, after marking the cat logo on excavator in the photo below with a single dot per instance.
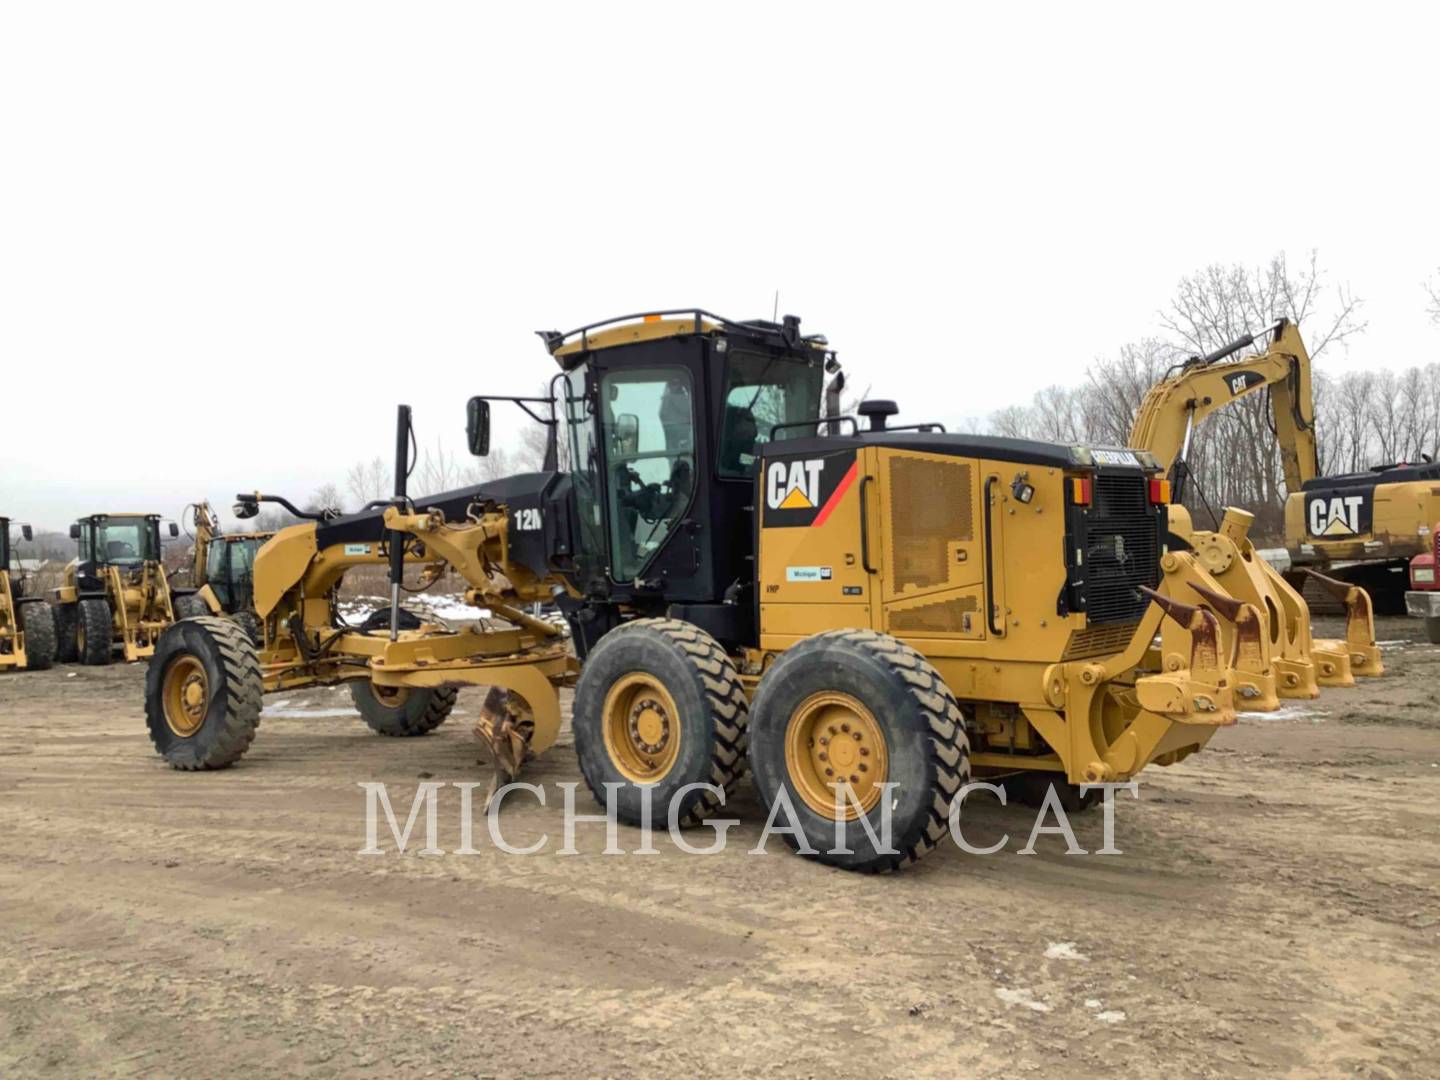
1336 515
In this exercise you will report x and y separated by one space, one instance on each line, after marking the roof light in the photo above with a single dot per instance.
652 318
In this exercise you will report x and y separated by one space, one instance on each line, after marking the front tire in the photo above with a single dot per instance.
660 706
203 694
39 626
865 709
402 711
94 631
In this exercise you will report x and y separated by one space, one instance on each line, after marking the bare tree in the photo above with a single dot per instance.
368 480
325 497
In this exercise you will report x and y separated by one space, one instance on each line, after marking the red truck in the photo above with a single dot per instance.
1423 599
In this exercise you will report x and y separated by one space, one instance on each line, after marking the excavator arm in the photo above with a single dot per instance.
1205 384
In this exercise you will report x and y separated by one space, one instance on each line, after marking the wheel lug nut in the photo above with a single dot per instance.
833 730
844 727
864 767
864 751
824 740
829 772
854 779
824 756
856 736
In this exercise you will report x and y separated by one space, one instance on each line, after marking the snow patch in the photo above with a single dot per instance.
1110 1016
1021 997
290 712
1063 950
1293 712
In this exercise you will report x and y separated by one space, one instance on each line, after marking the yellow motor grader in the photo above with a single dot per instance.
27 626
115 591
1283 659
222 572
869 615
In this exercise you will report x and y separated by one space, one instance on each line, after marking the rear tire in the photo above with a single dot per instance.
865 708
66 617
1432 630
190 606
402 711
38 625
659 706
94 631
203 694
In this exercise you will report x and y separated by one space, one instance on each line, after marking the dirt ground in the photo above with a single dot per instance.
1274 909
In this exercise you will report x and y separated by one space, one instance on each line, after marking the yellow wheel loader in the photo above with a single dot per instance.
115 591
222 575
866 615
1282 660
27 626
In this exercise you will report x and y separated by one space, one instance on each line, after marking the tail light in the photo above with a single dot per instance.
1081 490
1159 491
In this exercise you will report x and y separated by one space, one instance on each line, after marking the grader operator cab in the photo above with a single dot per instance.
222 572
115 591
868 614
27 626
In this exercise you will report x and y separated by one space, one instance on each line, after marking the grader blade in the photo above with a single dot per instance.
1359 646
505 727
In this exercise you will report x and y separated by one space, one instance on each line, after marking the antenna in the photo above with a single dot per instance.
775 311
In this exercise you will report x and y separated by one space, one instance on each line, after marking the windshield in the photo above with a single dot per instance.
125 541
760 392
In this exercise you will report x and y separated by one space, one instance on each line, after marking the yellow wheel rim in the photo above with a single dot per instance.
185 695
641 726
392 697
833 739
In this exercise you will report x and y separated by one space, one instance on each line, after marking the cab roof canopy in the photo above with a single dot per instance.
571 347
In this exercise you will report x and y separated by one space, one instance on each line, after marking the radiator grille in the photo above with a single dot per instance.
929 510
1121 549
943 617
1098 641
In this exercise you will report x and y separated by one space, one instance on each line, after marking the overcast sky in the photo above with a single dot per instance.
233 237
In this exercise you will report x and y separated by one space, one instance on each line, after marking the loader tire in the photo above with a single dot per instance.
94 631
1028 789
38 623
203 694
251 624
659 707
190 606
402 711
66 617
865 708
1432 630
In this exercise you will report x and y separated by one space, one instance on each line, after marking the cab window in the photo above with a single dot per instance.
649 429
760 392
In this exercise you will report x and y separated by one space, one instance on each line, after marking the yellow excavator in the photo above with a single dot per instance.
1165 425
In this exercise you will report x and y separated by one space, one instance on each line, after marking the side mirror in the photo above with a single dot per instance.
246 508
174 530
627 433
477 426
75 531
27 532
